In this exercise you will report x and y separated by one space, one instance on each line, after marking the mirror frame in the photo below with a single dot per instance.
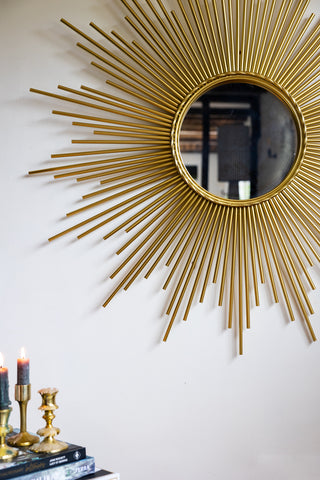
176 55
253 79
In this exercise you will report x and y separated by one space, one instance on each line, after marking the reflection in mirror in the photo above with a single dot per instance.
238 141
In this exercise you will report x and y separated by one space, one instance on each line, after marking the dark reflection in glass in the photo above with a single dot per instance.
238 141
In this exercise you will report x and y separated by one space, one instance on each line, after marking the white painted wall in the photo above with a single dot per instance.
187 409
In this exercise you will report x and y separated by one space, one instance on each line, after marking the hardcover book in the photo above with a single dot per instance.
101 474
70 471
28 462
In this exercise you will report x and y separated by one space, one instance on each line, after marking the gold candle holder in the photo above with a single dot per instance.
49 444
6 453
23 438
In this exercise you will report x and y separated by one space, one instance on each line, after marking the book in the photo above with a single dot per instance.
71 471
28 462
101 474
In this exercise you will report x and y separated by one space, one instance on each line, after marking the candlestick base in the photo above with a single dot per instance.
6 453
49 444
23 439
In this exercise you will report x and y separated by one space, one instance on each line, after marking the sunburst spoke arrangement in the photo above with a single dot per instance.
200 241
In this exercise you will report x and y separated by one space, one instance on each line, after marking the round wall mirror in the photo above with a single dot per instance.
238 141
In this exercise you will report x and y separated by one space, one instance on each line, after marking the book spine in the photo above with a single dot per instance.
43 463
72 471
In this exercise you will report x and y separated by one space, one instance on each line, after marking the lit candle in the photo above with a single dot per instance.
4 386
23 369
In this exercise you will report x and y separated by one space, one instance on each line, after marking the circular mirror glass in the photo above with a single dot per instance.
238 141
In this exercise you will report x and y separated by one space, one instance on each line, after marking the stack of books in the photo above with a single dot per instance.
70 464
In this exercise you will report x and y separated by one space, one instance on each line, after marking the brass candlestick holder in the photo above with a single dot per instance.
6 453
49 444
23 439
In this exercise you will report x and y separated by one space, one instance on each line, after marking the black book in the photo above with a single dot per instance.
29 462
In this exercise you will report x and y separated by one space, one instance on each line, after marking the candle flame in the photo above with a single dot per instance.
22 353
1 360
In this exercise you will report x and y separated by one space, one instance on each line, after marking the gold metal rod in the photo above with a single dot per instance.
176 40
118 214
117 102
162 43
240 276
246 43
277 31
194 38
194 201
290 31
151 222
221 244
287 62
203 35
222 44
239 31
130 127
149 64
265 36
162 54
148 116
261 218
257 50
297 294
256 215
233 63
174 192
217 50
290 211
111 122
111 197
293 227
123 142
156 93
227 37
217 229
303 206
186 231
114 168
191 229
196 253
187 56
147 208
189 264
175 225
305 65
189 46
207 42
233 271
125 173
207 236
257 243
287 259
111 151
246 269
292 244
309 93
253 46
153 176
137 199
152 85
306 177
306 187
226 256
155 232
110 130
253 256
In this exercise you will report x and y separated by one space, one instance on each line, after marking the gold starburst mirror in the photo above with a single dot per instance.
208 155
